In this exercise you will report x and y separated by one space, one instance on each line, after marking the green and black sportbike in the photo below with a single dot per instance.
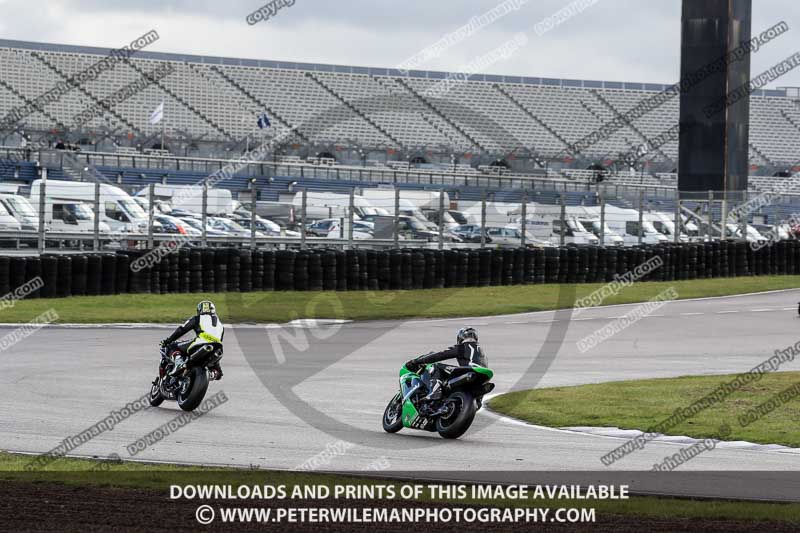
452 414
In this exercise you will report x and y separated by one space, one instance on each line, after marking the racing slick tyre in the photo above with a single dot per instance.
459 419
393 415
198 384
156 398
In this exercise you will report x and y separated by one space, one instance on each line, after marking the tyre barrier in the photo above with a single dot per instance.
234 270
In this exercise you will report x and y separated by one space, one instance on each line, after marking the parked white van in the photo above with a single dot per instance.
117 209
190 198
544 223
336 205
67 203
22 211
625 222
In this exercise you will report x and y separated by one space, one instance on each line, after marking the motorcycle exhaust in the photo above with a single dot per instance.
206 348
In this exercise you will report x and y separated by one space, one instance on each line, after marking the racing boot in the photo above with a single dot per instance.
436 391
215 374
180 364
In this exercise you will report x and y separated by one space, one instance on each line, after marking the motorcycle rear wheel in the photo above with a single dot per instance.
393 415
198 385
457 422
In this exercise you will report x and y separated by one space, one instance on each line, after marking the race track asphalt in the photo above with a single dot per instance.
323 395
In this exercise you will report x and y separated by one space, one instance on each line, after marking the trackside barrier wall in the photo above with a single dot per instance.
235 270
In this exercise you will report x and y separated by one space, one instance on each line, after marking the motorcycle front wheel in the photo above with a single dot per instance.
393 415
189 397
156 398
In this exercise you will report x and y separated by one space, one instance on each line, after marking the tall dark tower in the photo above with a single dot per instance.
714 149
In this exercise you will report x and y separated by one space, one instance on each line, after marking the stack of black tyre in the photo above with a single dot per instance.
49 268
496 257
182 274
363 278
373 270
551 265
268 282
64 288
195 274
507 277
315 277
108 274
485 259
384 270
329 270
395 270
301 270
352 270
258 270
284 270
418 269
245 270
94 272
221 270
5 274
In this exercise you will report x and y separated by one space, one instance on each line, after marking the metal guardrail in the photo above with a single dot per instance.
125 239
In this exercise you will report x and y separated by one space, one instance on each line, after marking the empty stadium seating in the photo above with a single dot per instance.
219 99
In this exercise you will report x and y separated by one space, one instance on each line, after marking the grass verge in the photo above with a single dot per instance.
655 400
160 477
362 305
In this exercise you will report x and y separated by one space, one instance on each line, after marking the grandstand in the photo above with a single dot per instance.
212 105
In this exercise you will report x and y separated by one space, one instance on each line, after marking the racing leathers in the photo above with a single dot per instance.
466 354
207 328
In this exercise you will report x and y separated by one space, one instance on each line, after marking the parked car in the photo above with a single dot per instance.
320 228
231 227
267 227
324 227
358 231
174 225
452 219
467 231
197 224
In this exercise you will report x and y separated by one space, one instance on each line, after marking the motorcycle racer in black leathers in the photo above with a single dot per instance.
466 351
207 328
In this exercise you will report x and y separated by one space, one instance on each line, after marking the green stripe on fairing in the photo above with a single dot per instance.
409 413
404 371
483 370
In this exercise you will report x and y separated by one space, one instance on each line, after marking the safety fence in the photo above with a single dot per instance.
243 270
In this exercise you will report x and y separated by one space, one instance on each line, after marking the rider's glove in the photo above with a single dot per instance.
163 344
412 365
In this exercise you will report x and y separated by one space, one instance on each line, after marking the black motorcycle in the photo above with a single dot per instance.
188 386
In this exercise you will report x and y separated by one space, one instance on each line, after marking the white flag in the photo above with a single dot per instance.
157 115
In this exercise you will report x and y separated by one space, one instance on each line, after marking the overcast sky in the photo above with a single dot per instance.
620 40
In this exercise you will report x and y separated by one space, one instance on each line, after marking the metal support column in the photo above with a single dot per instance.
303 214
204 214
96 231
441 219
350 218
602 219
42 195
641 216
396 218
151 204
483 219
524 220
